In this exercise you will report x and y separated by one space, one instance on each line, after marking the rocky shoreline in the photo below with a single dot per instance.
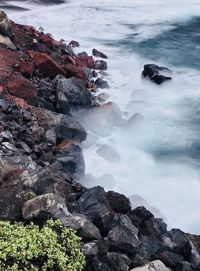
41 162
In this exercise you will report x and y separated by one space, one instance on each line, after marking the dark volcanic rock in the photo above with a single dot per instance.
98 53
124 235
153 72
71 91
118 202
102 83
94 204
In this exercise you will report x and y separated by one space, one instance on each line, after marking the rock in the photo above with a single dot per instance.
26 68
83 73
74 43
83 226
178 242
97 247
118 202
170 259
5 25
83 60
184 266
100 65
96 265
23 88
97 53
102 83
71 91
7 42
124 235
94 204
108 153
90 249
153 266
47 66
71 161
146 223
153 72
103 97
117 261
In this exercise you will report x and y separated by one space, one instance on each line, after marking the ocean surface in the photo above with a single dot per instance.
155 159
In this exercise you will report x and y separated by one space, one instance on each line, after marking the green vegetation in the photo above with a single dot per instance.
29 248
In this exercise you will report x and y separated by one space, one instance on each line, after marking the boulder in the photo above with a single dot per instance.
94 204
70 91
5 29
47 66
152 266
124 235
26 68
170 259
102 83
118 202
152 71
97 53
7 42
100 65
117 261
83 60
23 88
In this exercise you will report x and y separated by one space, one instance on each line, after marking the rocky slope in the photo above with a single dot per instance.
41 162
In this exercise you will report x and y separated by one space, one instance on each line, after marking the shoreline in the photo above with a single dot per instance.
41 81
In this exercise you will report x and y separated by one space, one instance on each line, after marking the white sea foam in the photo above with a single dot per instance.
157 155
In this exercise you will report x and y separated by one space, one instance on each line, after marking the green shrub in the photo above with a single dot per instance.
30 248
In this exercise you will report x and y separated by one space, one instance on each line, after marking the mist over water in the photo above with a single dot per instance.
156 155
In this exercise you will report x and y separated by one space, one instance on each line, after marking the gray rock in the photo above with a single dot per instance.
70 91
152 266
124 235
5 25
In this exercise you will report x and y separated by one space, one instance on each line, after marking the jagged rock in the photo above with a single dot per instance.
102 83
7 42
153 72
124 235
99 247
117 261
98 53
96 265
70 91
47 66
94 204
74 43
153 266
170 259
83 60
118 202
5 25
178 242
70 159
100 65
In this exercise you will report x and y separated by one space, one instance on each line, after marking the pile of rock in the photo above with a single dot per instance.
41 162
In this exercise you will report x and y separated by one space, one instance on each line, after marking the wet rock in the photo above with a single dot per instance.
90 249
102 83
108 153
47 66
97 53
83 60
100 65
146 223
94 204
71 161
118 202
152 71
152 266
124 235
5 29
74 43
23 88
71 91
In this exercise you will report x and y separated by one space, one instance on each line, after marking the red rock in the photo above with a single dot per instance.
78 72
83 60
48 41
26 68
68 59
23 88
91 86
47 65
1 89
8 59
18 101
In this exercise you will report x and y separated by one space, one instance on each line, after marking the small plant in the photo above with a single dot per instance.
29 248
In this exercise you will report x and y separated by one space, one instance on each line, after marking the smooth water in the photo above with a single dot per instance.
158 156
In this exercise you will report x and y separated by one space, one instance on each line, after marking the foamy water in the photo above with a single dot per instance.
159 155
